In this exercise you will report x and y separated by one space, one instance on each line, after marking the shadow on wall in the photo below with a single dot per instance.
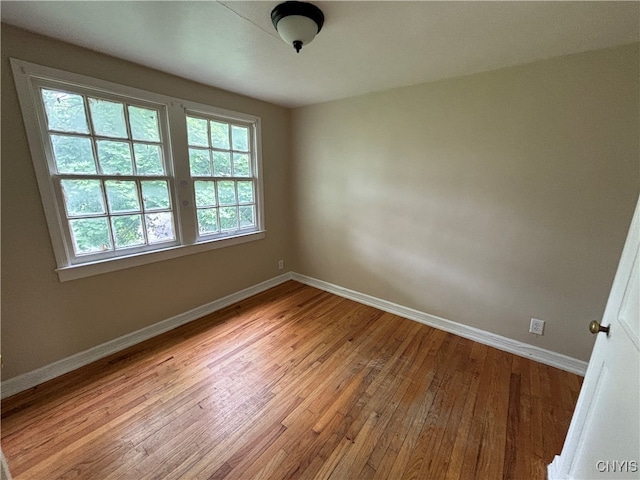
488 261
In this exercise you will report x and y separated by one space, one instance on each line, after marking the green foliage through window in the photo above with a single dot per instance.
112 162
108 118
101 139
221 151
65 111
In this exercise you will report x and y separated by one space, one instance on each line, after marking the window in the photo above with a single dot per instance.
109 172
129 177
223 182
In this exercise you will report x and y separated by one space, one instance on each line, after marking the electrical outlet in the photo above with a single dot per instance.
280 264
536 326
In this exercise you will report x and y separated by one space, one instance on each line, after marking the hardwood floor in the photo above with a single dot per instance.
295 383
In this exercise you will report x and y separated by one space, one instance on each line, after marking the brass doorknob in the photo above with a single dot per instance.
595 327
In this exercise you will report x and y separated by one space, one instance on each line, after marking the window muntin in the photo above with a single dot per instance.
113 168
222 166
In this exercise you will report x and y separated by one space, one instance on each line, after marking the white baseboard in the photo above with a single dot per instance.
552 469
538 354
5 474
48 372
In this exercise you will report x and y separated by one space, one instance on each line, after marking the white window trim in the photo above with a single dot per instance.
26 73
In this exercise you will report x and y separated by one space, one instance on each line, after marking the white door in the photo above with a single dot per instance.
603 441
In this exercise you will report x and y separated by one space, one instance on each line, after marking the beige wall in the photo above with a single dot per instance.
486 199
44 320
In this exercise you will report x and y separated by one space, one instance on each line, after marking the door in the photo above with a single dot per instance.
603 441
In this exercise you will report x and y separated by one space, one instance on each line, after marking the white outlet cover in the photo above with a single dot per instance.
536 326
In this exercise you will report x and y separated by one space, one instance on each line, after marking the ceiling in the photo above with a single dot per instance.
363 47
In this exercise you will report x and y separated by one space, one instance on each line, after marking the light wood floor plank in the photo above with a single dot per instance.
294 383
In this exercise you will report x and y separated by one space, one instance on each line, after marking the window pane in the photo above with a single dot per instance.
115 157
144 124
148 159
82 197
90 235
65 111
240 138
155 195
197 132
226 193
107 118
228 218
220 135
241 166
245 192
205 194
247 216
160 227
122 196
199 162
127 231
221 164
73 154
207 221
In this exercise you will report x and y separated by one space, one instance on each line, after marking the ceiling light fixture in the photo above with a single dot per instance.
297 22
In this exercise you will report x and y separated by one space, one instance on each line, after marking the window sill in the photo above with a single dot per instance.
74 272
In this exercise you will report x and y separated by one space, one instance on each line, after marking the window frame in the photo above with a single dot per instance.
56 178
254 159
29 78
